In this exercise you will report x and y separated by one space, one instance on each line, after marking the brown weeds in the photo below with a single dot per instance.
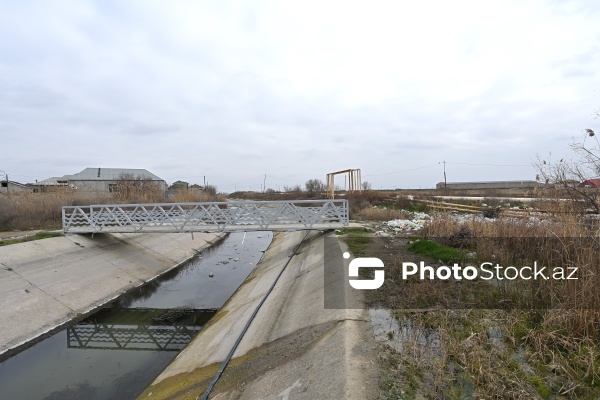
559 331
381 214
25 211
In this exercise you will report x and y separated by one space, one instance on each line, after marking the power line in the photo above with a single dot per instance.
281 179
491 165
405 170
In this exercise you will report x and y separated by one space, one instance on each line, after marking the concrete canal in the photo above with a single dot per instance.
118 351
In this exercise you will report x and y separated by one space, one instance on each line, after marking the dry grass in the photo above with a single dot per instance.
487 354
25 211
457 354
363 200
566 241
194 196
381 214
549 350
273 195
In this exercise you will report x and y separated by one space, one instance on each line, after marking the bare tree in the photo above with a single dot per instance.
211 190
292 189
125 186
314 187
366 185
571 175
133 188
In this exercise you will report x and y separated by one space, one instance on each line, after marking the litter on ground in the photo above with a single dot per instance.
415 222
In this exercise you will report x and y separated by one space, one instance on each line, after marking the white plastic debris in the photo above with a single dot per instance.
416 221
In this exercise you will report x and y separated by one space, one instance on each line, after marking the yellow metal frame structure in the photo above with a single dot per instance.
354 181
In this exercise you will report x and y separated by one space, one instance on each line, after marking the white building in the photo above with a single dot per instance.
13 187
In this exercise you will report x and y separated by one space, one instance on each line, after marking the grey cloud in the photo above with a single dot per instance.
210 108
151 129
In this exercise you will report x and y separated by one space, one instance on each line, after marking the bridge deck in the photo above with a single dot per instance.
206 217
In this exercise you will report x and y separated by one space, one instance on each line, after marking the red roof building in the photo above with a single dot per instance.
590 183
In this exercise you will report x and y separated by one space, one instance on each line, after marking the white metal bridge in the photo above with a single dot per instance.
206 217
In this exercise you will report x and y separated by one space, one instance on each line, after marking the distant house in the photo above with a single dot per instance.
51 184
489 185
590 183
100 179
13 187
567 183
179 185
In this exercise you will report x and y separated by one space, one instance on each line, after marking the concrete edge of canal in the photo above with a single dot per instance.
48 283
294 349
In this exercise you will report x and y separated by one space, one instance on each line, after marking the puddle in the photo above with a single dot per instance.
420 345
118 351
405 335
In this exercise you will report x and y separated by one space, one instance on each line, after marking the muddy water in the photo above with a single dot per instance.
118 351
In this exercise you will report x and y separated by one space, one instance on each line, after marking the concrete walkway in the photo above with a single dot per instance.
294 349
46 283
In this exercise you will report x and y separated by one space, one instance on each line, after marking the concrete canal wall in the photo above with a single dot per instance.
294 349
46 283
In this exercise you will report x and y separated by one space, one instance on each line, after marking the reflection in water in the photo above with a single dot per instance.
132 337
138 329
99 362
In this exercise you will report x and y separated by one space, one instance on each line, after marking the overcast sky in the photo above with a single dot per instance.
234 90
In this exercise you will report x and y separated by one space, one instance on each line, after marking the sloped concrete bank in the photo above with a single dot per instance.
294 349
47 283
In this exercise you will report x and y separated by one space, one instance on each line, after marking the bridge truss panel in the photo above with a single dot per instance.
206 217
131 337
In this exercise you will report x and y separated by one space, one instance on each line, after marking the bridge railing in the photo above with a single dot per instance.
206 217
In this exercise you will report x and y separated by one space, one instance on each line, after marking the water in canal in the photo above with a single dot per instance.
118 351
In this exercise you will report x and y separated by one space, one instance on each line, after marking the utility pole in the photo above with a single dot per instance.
5 178
445 183
265 183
